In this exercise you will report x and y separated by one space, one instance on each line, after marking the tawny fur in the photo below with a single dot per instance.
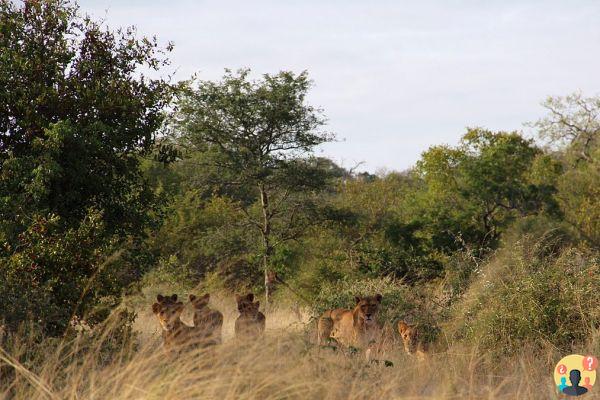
411 339
251 322
176 334
357 327
207 322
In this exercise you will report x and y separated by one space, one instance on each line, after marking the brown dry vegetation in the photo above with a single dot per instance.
284 365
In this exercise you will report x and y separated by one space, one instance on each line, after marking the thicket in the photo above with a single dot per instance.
77 112
232 196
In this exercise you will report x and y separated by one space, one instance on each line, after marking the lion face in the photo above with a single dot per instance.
199 302
167 310
410 336
246 306
368 307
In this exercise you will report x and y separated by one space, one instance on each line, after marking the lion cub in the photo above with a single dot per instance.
251 322
175 333
207 322
411 339
356 327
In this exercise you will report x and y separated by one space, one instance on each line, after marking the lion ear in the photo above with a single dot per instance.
192 297
155 308
257 305
378 297
174 298
357 299
402 326
238 298
160 298
250 296
206 297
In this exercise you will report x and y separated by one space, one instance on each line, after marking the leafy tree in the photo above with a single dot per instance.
76 113
258 134
475 189
379 236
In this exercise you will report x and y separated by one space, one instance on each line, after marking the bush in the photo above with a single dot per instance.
57 274
169 272
399 300
77 114
533 293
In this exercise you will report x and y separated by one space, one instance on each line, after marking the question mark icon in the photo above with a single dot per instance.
590 363
562 369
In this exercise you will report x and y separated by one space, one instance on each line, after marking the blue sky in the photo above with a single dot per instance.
394 77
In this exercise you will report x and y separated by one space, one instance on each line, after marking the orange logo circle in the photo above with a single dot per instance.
575 375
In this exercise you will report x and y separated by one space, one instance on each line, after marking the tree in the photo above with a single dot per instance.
572 124
76 113
377 231
258 134
475 189
572 127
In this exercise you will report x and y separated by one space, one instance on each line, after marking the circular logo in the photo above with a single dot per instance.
575 375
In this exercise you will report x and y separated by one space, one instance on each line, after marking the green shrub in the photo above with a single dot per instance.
399 300
170 273
532 293
56 274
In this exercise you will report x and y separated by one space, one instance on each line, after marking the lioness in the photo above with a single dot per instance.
251 322
207 322
175 333
411 339
356 328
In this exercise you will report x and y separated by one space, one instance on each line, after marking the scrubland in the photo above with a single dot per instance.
285 364
116 363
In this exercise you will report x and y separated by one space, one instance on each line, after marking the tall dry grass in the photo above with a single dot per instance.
285 364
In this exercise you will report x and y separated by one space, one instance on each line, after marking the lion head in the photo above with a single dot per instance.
199 302
410 336
168 310
367 308
246 304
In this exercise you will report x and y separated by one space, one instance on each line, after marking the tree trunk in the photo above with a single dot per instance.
266 233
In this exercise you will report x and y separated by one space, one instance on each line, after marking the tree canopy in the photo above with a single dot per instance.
76 113
258 134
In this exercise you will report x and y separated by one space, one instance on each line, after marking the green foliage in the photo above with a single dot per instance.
579 198
84 182
399 300
258 135
475 190
573 128
170 274
76 114
210 236
533 293
55 274
376 235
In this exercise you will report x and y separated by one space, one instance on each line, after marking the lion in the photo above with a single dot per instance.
251 322
176 334
353 328
411 338
207 322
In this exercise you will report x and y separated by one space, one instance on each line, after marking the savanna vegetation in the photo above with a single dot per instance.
116 185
